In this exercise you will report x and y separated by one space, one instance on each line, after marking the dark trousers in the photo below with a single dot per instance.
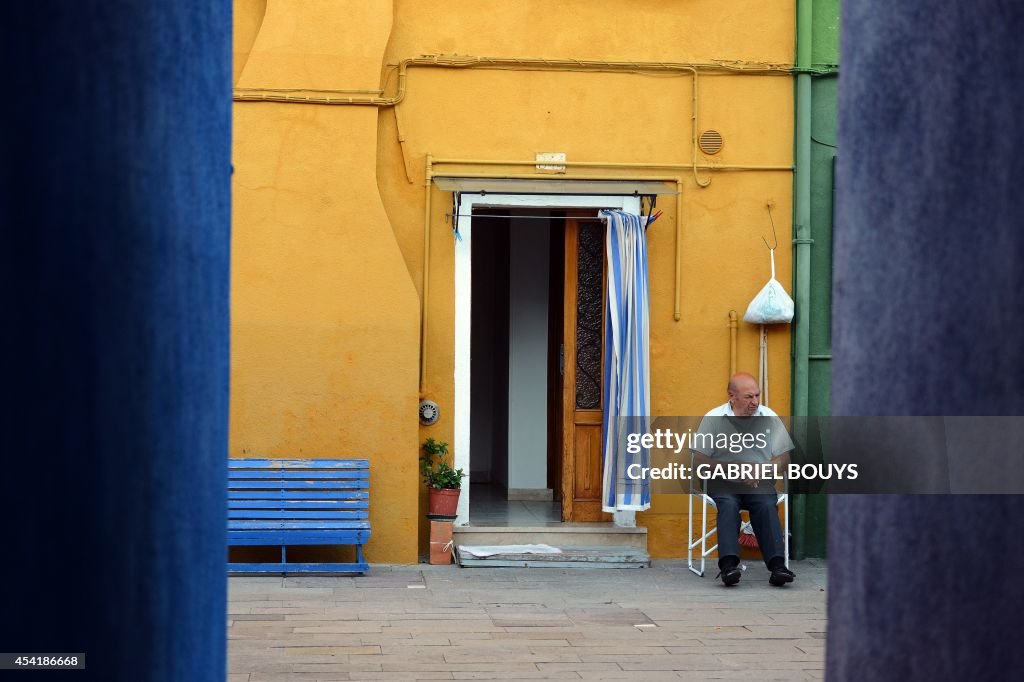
764 519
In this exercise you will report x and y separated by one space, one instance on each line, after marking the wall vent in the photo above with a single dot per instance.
710 141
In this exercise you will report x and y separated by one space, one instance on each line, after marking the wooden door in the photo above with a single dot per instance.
582 392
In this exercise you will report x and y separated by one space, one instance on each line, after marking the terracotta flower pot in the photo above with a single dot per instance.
443 501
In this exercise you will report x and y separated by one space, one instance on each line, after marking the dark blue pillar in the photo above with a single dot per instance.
928 320
115 149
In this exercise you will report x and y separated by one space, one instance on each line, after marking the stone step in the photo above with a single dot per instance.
558 535
604 556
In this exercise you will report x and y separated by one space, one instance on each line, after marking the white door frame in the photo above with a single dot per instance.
463 307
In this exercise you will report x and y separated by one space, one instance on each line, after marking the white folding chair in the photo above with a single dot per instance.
702 543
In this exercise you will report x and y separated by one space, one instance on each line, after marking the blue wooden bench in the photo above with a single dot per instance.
291 502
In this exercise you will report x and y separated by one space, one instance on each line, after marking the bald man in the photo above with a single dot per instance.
764 440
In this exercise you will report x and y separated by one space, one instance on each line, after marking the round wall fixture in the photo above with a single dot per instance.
429 412
710 142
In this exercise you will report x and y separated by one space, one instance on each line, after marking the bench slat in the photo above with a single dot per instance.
295 538
293 495
241 463
339 505
294 514
297 485
300 525
346 475
269 538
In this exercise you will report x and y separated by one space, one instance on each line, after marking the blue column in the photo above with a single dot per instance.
929 250
115 148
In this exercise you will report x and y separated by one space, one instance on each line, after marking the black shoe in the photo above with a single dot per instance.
730 576
780 576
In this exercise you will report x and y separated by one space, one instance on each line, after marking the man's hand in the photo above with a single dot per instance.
781 463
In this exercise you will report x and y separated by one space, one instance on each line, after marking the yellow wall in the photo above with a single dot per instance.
327 269
325 320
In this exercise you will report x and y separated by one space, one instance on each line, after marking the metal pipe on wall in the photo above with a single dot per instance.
428 180
733 325
373 98
609 164
677 311
802 247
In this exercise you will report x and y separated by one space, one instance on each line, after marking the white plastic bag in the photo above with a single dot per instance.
772 305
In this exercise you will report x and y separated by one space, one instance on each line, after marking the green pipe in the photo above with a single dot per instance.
802 246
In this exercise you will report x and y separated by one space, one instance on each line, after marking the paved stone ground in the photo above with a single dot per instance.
444 622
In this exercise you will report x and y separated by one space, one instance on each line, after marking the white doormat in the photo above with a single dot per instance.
491 550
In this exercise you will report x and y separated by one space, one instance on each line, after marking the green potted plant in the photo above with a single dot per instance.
443 482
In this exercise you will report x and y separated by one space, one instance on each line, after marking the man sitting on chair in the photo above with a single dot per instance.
734 437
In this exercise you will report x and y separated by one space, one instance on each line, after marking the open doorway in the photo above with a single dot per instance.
516 291
522 426
536 368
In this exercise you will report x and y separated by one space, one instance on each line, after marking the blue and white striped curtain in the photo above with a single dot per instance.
627 377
